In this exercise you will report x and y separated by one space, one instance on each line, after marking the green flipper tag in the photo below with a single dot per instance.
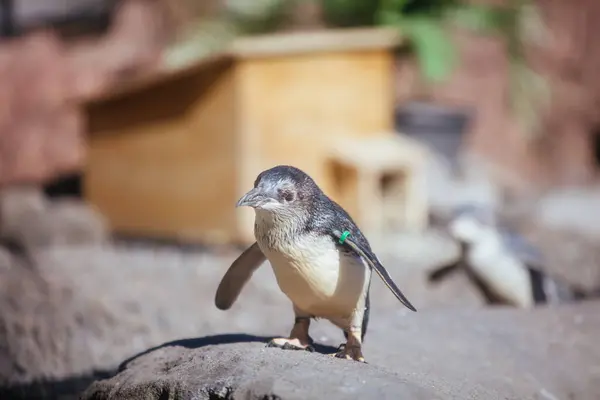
344 236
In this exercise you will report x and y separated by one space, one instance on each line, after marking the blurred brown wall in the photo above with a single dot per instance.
573 64
571 61
43 78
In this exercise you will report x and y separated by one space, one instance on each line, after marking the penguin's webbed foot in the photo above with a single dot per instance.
350 352
291 344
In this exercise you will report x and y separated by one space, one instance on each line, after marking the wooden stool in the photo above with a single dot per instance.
381 181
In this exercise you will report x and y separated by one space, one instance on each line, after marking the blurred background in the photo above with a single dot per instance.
129 129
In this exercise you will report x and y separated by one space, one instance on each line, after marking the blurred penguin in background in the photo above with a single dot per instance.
504 266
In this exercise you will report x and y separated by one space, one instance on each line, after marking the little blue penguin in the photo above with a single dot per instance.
321 260
504 264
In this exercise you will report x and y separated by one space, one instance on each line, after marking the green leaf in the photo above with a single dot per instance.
390 18
517 22
435 49
350 12
395 5
389 12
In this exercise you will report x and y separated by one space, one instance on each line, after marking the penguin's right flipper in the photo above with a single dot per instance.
237 276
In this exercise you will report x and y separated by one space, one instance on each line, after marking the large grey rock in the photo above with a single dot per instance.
6 259
104 303
29 221
471 182
46 327
18 205
576 210
77 310
250 371
484 354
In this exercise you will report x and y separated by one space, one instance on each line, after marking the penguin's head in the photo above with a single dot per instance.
471 222
280 190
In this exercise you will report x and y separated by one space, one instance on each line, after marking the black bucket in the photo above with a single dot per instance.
440 128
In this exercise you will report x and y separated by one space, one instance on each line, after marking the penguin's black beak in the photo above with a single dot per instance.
254 198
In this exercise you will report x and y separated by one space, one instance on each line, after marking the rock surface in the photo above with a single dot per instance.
74 312
28 220
250 371
487 354
85 308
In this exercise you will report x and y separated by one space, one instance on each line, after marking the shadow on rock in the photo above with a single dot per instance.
70 388
226 338
63 389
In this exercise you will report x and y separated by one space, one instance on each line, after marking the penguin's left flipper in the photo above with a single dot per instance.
237 276
374 263
443 272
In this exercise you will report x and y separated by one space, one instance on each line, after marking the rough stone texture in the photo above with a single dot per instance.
132 47
39 129
43 79
78 309
28 220
17 204
6 259
73 312
250 371
491 354
575 210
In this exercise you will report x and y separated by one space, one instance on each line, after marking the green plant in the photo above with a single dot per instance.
425 24
345 13
207 35
256 16
519 24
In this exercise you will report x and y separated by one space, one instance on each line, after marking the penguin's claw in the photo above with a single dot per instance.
290 344
349 353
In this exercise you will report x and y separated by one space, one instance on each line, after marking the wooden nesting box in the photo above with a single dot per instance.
381 182
170 156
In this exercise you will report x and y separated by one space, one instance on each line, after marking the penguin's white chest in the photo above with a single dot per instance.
503 274
317 277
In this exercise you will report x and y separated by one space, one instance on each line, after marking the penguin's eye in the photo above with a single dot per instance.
286 195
